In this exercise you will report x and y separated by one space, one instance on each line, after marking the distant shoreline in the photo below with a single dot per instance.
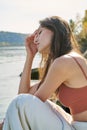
12 38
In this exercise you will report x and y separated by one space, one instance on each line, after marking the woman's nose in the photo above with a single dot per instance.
36 39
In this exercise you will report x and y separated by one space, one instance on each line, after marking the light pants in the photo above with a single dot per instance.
27 112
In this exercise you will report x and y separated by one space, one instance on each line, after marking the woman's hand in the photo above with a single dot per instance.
31 48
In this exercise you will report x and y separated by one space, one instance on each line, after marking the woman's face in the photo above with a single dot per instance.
43 39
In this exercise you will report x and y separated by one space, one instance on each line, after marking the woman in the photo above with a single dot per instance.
65 73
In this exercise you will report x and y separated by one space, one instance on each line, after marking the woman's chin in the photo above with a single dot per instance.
40 50
43 51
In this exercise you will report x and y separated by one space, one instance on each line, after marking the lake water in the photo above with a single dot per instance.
11 65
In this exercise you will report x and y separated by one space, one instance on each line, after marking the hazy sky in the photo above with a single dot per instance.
23 15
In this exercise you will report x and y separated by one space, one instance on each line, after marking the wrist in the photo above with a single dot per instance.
29 58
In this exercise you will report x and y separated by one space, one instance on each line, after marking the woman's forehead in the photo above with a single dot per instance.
40 28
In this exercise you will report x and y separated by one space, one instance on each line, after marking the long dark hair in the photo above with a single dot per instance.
62 43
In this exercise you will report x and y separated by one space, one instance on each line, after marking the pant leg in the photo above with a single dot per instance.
79 125
27 112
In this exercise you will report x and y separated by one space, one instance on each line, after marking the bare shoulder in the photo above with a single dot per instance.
63 62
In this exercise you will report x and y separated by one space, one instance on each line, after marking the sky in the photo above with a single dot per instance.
23 16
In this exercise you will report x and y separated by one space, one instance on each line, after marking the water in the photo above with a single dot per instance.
11 65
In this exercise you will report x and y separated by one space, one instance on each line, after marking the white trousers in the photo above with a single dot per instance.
27 112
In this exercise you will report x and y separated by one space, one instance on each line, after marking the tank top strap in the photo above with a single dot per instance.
79 65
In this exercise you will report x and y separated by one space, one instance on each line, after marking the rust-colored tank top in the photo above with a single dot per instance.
74 98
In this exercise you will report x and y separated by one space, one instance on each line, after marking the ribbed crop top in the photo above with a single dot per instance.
74 98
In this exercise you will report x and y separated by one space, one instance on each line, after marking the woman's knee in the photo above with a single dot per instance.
23 100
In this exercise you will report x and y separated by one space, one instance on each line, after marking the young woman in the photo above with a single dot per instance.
65 73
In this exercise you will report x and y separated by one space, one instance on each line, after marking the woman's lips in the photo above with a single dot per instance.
37 45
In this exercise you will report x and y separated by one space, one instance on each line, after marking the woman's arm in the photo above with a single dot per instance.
58 73
24 85
31 50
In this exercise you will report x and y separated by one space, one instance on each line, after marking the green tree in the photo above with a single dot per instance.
83 34
79 28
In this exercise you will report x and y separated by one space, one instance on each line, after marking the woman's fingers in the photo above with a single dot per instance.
31 36
35 32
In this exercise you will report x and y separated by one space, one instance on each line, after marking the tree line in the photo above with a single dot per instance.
79 28
12 38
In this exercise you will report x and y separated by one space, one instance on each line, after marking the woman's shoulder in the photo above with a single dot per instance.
62 64
63 59
68 58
